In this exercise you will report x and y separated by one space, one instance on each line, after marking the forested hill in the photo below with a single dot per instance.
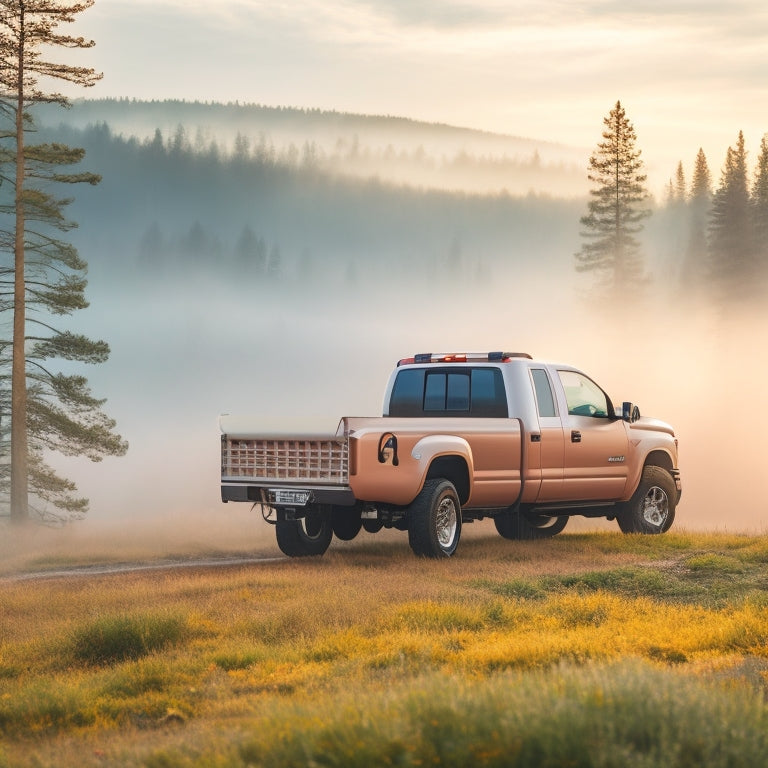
181 204
392 148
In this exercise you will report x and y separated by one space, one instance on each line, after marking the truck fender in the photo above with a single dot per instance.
432 447
658 456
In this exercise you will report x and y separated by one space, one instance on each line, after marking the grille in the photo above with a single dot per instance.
304 461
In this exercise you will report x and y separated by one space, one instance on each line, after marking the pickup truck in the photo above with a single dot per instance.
462 437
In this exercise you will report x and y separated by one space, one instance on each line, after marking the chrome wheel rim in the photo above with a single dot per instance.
656 507
446 522
313 526
543 522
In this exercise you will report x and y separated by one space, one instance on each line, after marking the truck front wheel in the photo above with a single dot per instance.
652 506
434 520
307 536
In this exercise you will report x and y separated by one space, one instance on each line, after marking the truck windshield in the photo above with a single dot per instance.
449 392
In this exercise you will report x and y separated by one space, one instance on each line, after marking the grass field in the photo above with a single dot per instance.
591 649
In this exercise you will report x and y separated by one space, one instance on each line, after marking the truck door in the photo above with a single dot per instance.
551 449
596 443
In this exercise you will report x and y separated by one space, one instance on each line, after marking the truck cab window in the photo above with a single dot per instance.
544 398
466 392
447 392
434 393
583 396
457 397
488 396
408 393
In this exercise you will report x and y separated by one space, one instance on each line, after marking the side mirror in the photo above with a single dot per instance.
629 412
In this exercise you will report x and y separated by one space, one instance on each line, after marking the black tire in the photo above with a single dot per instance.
306 537
652 506
434 520
520 525
346 522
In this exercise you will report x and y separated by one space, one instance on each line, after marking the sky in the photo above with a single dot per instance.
690 73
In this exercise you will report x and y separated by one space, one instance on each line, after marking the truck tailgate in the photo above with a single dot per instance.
311 459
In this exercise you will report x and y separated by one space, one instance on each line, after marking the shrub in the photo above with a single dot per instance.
113 639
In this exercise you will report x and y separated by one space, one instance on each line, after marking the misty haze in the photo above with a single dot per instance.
277 263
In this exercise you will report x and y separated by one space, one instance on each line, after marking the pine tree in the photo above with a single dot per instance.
44 277
699 202
760 207
731 234
250 253
701 184
617 207
669 193
680 191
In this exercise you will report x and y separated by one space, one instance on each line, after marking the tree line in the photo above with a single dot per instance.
171 207
728 240
725 230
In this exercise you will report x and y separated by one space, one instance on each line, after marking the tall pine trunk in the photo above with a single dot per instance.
19 449
49 410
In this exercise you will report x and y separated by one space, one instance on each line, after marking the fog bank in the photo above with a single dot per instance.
300 359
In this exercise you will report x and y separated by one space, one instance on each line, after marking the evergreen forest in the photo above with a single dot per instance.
172 206
235 268
235 193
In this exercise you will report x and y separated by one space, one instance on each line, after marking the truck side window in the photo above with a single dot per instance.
584 397
488 396
543 389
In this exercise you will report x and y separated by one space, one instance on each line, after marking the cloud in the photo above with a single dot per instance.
443 13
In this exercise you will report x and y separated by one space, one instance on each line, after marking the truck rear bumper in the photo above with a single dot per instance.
340 495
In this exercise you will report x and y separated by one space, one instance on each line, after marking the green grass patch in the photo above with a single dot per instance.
705 578
46 705
713 563
632 581
113 639
514 589
136 693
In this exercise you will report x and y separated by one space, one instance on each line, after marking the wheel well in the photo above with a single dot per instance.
659 459
452 468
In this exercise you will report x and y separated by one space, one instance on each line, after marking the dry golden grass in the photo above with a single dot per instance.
182 662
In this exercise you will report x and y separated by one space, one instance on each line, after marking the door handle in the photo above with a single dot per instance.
575 436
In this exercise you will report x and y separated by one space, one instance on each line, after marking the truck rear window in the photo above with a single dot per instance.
449 392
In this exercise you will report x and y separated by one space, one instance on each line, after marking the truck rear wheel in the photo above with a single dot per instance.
434 520
519 525
305 537
652 506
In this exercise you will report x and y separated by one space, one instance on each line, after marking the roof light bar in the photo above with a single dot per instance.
462 357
